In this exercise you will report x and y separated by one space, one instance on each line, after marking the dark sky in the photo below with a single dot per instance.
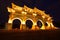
50 6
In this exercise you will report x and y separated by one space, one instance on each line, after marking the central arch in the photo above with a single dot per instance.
29 23
16 24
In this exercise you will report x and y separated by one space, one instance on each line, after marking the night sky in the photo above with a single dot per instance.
51 7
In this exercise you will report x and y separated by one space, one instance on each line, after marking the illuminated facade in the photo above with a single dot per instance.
24 13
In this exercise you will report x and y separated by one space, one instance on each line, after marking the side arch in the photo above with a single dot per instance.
42 27
29 23
17 18
16 24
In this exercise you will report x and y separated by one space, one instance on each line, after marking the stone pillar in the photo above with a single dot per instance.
8 26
